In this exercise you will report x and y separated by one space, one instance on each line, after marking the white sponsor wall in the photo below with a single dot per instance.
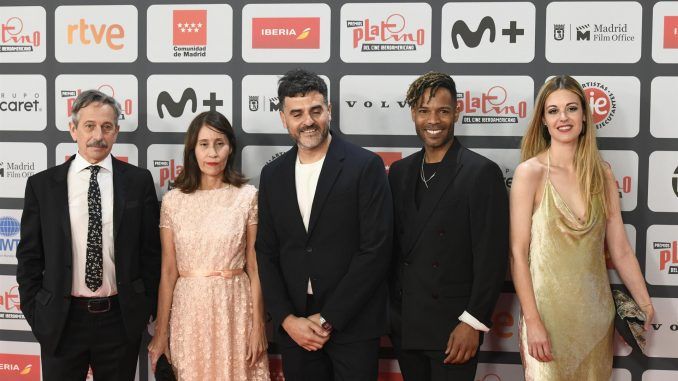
165 63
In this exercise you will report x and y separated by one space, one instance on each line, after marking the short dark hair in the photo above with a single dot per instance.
188 180
433 80
299 82
88 97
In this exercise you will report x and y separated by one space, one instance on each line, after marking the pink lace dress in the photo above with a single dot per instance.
211 315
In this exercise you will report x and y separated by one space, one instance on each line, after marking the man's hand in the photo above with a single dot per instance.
306 333
462 344
316 319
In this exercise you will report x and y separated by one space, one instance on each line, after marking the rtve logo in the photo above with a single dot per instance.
96 33
86 33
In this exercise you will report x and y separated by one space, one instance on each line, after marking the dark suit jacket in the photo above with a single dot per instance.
346 251
44 254
452 251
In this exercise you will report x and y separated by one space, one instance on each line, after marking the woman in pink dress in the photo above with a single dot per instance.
215 327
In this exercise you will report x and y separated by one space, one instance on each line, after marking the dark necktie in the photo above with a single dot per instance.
94 267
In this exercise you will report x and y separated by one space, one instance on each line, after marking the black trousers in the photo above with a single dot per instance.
426 365
355 361
93 339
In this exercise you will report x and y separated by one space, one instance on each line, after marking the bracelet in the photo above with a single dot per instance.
645 305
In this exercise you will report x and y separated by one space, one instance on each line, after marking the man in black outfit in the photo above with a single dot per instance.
323 243
89 255
450 242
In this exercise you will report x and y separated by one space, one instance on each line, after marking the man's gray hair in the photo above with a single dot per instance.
88 97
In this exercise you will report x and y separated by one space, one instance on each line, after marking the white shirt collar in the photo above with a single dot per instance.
79 163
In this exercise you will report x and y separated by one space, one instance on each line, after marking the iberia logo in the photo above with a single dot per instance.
15 367
286 33
670 32
389 158
190 27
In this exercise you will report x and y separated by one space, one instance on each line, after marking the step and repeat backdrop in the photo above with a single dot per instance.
166 62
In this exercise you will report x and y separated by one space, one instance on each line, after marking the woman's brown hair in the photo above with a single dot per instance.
188 180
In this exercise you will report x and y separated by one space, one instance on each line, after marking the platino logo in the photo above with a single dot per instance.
13 38
490 107
169 171
127 104
668 256
388 35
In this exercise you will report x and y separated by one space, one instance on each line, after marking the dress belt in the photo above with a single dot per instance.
229 273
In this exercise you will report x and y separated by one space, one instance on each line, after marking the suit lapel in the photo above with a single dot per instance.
328 174
119 188
447 172
60 192
411 177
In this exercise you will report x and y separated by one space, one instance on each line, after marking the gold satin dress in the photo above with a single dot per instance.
572 290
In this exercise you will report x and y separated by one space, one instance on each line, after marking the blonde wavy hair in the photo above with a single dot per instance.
588 164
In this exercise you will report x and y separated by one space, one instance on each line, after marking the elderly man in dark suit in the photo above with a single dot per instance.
323 243
89 255
451 242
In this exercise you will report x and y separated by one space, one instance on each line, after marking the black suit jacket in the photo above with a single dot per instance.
347 249
44 254
452 251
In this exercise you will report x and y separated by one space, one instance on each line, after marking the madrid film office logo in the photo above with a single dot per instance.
583 32
385 35
176 108
13 37
189 32
598 32
473 38
271 104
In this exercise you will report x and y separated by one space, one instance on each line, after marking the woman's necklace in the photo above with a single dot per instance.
421 172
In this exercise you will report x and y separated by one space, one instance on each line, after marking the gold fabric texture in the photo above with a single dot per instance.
211 316
572 290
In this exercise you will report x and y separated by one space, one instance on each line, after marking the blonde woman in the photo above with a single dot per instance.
564 206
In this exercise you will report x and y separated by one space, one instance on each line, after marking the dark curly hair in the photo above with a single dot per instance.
299 82
433 80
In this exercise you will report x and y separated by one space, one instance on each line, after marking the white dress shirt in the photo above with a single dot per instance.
78 184
306 180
